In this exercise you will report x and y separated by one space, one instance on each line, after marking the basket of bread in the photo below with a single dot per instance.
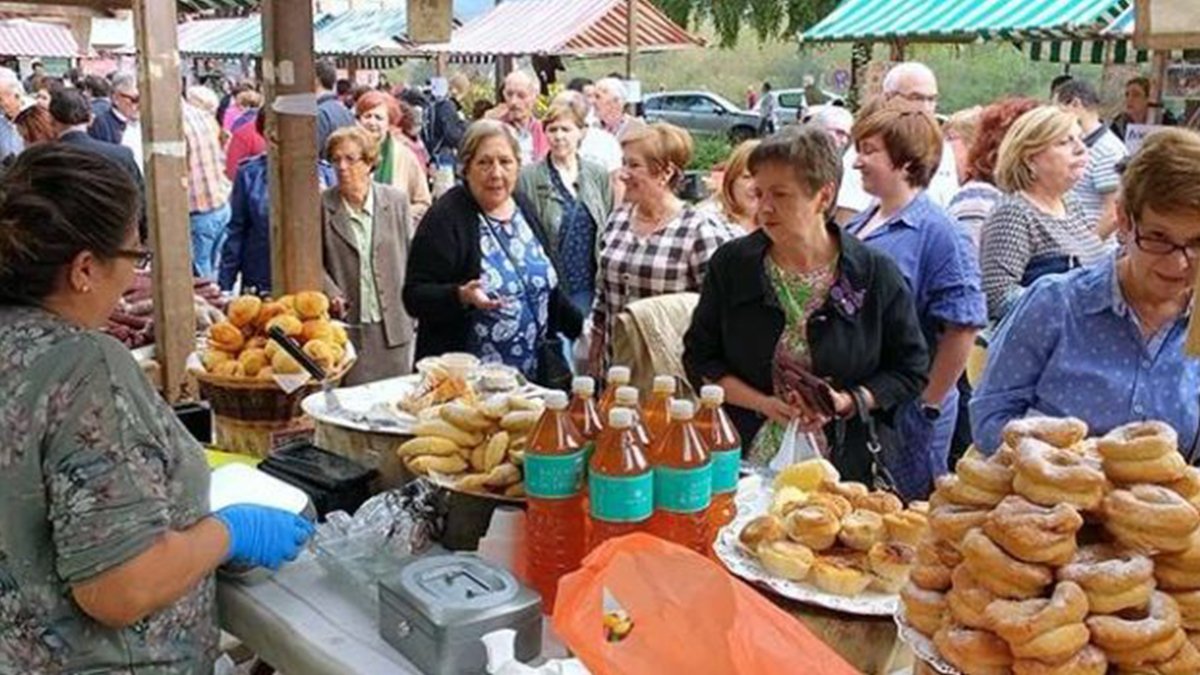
826 542
254 386
473 444
1061 554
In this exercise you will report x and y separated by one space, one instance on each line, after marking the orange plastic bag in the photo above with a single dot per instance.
687 615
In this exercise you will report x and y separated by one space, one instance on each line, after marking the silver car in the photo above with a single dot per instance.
789 103
702 113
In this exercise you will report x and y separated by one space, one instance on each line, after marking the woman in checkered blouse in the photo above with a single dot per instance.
655 243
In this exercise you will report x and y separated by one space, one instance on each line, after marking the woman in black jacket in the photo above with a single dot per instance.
798 321
480 276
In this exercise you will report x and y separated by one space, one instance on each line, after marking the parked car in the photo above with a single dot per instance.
789 103
703 113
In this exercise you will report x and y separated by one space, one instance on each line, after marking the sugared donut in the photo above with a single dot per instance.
1113 578
906 527
1033 533
1188 486
1138 441
968 600
1153 653
1165 469
1186 661
973 651
1180 571
925 610
1049 476
984 475
1150 517
958 491
1060 432
930 572
1057 645
1087 661
950 522
1189 608
1001 573
1021 621
1136 629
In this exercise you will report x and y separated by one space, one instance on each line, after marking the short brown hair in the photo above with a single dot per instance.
810 152
737 164
1164 174
357 136
912 141
564 111
668 148
1032 133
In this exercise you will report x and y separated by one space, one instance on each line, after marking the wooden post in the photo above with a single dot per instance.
1162 57
288 74
165 161
441 64
630 37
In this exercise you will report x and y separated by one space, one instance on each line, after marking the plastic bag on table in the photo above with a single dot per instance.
795 447
643 605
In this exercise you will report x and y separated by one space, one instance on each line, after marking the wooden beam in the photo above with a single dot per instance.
62 9
630 37
289 74
166 191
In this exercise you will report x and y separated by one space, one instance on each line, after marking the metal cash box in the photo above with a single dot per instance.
435 609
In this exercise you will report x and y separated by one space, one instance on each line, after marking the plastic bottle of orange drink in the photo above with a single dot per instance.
627 397
725 448
618 376
583 410
682 481
656 414
554 470
620 482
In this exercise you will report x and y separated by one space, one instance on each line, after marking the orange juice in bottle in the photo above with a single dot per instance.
583 409
627 397
725 448
618 376
656 414
682 481
620 482
554 470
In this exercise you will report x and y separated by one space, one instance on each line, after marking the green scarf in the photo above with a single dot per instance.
383 174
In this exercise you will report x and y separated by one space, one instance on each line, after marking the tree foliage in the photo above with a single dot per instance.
769 19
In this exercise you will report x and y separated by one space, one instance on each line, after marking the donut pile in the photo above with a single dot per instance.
840 537
1062 555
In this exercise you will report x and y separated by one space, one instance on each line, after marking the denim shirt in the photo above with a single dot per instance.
1073 346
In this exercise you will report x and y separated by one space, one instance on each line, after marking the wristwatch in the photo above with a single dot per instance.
930 411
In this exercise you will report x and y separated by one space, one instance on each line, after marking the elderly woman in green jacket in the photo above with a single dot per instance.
572 197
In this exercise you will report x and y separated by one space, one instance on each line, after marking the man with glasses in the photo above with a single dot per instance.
908 86
1105 343
112 122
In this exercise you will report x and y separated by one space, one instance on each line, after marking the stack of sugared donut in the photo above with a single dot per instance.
1061 555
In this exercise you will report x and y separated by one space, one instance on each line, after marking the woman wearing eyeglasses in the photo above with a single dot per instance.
107 541
1105 343
366 229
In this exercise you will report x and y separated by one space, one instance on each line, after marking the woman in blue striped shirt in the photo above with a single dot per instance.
1106 343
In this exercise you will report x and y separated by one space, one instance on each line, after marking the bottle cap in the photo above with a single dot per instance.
682 409
627 396
620 418
664 384
556 400
583 386
712 394
619 375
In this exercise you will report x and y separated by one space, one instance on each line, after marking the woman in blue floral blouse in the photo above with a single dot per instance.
107 546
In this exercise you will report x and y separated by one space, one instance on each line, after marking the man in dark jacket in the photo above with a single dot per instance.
72 114
331 113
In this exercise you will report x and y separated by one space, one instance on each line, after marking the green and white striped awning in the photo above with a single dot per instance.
1115 45
965 20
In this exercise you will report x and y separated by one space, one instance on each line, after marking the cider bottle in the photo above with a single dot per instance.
682 482
554 468
725 448
656 414
620 482
627 397
618 376
583 410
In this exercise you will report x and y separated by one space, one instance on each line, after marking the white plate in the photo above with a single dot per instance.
923 647
746 566
365 406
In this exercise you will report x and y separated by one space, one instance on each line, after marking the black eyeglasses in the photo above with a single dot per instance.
142 257
1158 246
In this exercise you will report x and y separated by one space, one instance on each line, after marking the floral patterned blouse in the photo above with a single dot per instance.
800 294
94 467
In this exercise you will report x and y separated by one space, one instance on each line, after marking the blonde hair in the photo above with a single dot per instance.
564 111
480 131
1164 174
737 164
357 136
964 124
1032 133
668 148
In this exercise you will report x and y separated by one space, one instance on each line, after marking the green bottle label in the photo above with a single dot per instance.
554 476
621 499
588 449
683 490
725 465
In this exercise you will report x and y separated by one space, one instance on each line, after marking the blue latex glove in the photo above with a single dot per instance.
263 536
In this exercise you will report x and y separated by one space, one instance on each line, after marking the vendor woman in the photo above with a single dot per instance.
107 546
1105 343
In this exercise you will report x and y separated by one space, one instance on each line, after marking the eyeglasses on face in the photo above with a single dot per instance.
338 160
1156 245
142 257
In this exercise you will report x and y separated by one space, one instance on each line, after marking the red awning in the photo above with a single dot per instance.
19 37
563 27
